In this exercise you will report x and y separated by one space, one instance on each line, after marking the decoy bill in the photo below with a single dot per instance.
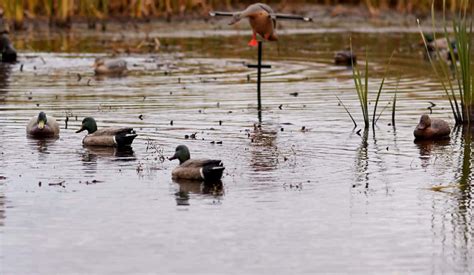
111 136
262 19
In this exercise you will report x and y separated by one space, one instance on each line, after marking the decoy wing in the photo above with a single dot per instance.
114 131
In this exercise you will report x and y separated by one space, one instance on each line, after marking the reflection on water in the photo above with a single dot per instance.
427 147
2 204
362 160
187 188
5 70
263 147
92 154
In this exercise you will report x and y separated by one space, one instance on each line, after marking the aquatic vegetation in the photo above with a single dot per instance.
460 90
362 89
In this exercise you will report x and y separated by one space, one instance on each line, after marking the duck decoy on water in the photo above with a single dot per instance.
7 50
111 136
262 20
116 67
345 57
195 169
440 44
42 126
431 129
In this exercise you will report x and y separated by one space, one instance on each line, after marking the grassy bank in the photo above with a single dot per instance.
61 12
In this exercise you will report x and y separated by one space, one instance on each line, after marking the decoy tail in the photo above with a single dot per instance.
125 139
212 170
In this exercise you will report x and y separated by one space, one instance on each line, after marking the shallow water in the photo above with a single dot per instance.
329 199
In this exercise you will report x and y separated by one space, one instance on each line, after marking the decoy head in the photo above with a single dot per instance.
181 153
42 120
88 124
425 122
427 37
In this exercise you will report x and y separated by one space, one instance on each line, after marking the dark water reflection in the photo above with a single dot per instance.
323 199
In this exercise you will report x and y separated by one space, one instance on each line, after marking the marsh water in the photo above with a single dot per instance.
329 198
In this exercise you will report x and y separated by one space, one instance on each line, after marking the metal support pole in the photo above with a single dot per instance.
259 76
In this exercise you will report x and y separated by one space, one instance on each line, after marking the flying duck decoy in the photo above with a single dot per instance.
42 127
431 129
195 169
117 67
262 20
112 136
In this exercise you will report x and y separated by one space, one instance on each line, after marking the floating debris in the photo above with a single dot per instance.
57 183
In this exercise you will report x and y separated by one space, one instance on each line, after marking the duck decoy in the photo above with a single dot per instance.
42 126
431 129
262 19
116 67
440 44
7 50
195 169
345 57
112 136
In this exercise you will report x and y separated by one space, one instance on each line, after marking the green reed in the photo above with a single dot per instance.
460 91
361 82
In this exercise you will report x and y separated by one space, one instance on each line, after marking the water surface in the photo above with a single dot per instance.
327 199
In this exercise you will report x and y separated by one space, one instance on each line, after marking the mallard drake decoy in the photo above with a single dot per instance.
195 169
345 57
116 67
431 128
42 126
113 136
440 44
262 20
7 50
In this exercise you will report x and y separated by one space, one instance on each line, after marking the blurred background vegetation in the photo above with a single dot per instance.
61 12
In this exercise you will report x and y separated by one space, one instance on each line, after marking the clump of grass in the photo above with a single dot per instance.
460 92
362 88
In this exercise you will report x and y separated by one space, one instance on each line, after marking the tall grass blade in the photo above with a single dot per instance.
347 111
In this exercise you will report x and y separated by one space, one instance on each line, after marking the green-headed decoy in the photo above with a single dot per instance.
112 136
42 126
195 169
